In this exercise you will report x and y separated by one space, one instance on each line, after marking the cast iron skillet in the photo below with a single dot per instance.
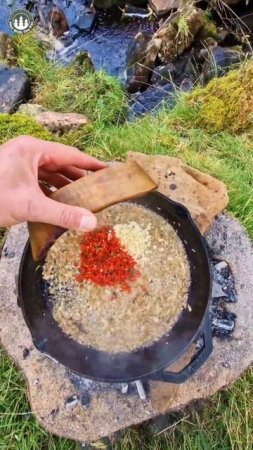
146 362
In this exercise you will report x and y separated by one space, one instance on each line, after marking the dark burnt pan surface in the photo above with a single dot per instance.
50 339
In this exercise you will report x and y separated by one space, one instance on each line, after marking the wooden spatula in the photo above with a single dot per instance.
94 192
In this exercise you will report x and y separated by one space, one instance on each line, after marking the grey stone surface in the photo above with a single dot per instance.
97 409
15 88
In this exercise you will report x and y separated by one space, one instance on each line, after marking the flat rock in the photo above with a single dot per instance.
72 406
161 7
152 99
61 122
202 194
56 122
15 88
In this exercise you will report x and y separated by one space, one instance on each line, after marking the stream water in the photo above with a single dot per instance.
106 38
106 35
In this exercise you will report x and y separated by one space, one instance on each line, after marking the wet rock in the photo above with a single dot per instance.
4 16
180 65
186 85
44 10
57 22
104 4
218 60
87 20
140 60
164 74
151 99
7 50
174 42
3 66
15 88
161 7
190 69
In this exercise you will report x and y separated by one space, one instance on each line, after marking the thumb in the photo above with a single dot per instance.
65 216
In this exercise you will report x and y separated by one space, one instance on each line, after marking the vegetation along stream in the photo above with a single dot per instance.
153 47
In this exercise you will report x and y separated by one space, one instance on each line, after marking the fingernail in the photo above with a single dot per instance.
88 223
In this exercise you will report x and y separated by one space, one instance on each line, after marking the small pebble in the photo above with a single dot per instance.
71 402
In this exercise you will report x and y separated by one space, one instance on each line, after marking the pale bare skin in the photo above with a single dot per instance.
24 161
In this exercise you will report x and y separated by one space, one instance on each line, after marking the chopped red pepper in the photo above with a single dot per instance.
104 262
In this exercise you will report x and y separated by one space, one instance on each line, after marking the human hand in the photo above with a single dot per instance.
24 161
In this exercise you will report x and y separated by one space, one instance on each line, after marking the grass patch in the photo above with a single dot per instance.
18 428
224 423
63 89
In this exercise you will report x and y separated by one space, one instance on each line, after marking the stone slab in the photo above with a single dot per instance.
71 406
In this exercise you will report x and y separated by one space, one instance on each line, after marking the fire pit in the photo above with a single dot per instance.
70 405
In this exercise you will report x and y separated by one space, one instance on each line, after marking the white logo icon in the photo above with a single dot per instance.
21 21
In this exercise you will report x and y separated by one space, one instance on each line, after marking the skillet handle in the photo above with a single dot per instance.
195 363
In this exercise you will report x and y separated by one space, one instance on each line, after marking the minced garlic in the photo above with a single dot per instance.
135 239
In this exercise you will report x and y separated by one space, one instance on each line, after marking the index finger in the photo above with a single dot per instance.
55 156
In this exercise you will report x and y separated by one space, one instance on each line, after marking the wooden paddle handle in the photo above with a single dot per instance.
94 192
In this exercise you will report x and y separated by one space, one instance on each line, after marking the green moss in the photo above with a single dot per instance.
15 125
209 29
225 104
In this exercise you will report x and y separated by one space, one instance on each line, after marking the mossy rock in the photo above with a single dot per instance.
209 29
15 125
225 104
